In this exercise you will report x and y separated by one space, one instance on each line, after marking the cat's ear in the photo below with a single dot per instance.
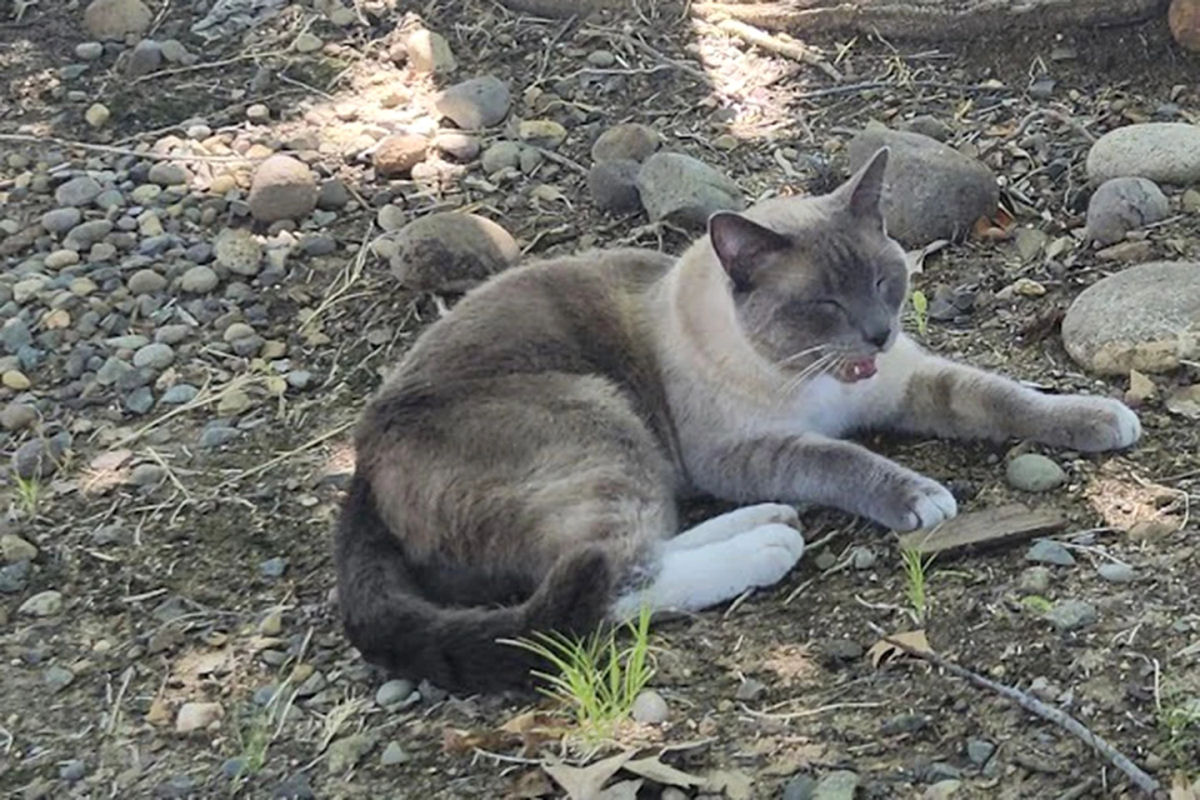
741 245
864 191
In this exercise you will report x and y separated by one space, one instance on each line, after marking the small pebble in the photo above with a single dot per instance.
1032 472
273 567
393 754
649 708
1048 551
97 115
1069 615
1116 572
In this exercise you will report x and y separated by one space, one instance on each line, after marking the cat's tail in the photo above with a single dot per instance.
393 625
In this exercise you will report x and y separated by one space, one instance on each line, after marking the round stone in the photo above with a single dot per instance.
1033 472
155 356
115 19
1164 152
61 220
89 51
97 115
1146 317
630 140
396 155
613 185
146 281
501 155
283 188
601 58
164 173
649 708
198 280
476 103
238 251
451 251
1121 205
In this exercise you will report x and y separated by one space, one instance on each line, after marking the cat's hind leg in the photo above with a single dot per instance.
733 523
700 577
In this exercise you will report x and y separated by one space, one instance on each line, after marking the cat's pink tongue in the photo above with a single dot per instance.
860 369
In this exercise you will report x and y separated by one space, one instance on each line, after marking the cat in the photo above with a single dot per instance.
519 470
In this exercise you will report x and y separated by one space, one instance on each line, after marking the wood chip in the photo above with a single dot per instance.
987 528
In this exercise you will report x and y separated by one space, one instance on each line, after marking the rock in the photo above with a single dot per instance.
97 115
1116 572
1164 152
146 281
451 251
308 43
174 52
199 280
1048 551
429 52
179 394
1146 317
89 51
501 155
1183 18
214 436
1141 390
613 185
197 716
333 195
1133 252
1033 472
541 133
393 692
396 155
155 356
749 690
16 380
61 258
283 188
800 787
979 751
115 19
77 191
145 58
164 173
928 125
931 191
238 250
273 567
147 475
682 189
38 458
649 708
1070 615
258 113
475 103
863 558
72 770
394 754
344 753
17 416
601 58
1035 580
294 787
840 785
61 220
58 678
14 577
13 548
629 140
1121 205
459 146
42 604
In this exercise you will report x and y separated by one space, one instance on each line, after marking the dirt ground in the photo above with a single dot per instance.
166 597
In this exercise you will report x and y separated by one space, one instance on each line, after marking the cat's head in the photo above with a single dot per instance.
818 285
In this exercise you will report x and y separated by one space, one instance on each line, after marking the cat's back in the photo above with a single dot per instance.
582 314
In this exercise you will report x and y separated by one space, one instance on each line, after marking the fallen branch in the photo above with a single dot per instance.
1034 706
773 44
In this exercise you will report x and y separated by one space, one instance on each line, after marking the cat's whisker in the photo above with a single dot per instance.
797 356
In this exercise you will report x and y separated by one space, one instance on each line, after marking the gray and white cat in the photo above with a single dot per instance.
520 469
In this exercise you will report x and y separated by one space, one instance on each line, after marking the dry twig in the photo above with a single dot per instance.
1034 706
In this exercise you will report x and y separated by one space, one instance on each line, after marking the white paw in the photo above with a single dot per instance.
767 513
770 553
1096 424
911 501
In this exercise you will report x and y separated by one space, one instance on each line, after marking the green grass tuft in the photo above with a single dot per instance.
595 678
920 307
915 585
29 492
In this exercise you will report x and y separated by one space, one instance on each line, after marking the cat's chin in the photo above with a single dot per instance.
855 370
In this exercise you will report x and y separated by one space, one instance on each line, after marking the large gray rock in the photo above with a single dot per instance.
613 185
931 191
629 140
1146 318
475 103
283 188
113 19
1164 152
685 190
451 252
1121 205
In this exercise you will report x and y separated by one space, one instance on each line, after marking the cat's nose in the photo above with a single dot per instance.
879 337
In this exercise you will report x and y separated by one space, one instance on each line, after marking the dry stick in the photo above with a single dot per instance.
284 456
1031 704
793 50
209 65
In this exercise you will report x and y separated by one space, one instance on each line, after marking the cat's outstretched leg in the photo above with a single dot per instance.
733 523
948 399
700 577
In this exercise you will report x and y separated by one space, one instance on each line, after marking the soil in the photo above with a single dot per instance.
165 599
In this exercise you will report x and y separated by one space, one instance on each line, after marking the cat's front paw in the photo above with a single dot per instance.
907 501
1093 424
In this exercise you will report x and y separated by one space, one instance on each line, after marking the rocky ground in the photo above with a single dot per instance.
221 221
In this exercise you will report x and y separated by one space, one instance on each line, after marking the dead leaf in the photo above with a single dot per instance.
653 769
534 728
999 226
456 741
884 651
625 790
113 459
734 784
1180 789
585 783
1185 401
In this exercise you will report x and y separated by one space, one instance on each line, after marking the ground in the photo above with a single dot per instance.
169 591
